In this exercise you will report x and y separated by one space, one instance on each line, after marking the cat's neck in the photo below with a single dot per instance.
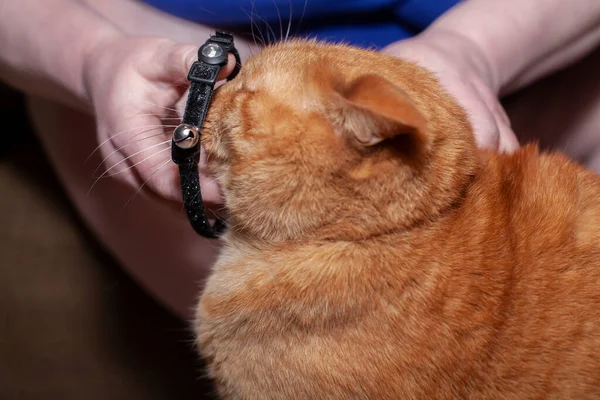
368 231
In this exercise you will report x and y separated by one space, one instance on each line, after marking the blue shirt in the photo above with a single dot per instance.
365 23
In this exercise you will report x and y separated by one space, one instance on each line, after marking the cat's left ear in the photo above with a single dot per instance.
373 109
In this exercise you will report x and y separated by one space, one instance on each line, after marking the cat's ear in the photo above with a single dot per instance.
373 109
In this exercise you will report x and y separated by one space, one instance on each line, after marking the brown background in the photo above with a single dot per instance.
72 324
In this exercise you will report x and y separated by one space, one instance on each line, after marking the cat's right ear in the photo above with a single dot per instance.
372 109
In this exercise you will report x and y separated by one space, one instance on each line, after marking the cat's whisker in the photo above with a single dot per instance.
125 131
153 129
206 10
126 145
124 160
269 29
250 49
137 163
221 210
252 25
160 127
150 130
210 182
145 182
156 105
252 33
280 21
287 34
301 17
161 116
157 163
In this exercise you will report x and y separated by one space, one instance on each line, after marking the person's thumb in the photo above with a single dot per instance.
174 61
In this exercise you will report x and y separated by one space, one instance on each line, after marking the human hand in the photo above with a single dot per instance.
467 76
136 88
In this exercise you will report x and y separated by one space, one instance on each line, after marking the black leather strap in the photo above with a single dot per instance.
185 146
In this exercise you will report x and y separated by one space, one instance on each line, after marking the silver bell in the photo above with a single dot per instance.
186 136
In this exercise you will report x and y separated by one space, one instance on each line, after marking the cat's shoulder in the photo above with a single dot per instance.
534 172
550 194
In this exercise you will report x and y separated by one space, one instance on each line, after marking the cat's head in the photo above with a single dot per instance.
335 142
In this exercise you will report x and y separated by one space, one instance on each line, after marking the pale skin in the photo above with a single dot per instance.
94 68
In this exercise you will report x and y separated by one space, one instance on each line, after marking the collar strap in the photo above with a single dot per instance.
185 145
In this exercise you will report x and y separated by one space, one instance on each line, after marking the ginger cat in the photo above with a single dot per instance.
374 252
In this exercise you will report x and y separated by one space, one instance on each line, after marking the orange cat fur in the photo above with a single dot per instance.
374 253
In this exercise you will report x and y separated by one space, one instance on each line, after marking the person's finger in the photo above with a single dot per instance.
482 121
508 140
484 128
173 62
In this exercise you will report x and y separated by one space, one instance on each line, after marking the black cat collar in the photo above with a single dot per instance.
185 145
